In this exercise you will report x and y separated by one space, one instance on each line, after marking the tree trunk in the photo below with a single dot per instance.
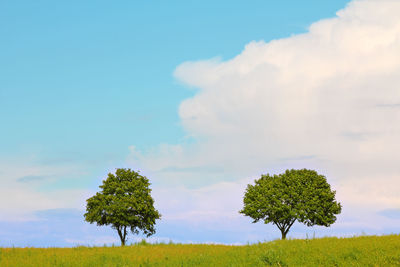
283 234
122 236
284 227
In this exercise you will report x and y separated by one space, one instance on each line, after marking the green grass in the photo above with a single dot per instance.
356 251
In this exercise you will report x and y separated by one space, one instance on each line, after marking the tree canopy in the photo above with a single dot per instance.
301 195
125 203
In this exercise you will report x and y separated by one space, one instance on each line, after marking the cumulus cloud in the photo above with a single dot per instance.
327 99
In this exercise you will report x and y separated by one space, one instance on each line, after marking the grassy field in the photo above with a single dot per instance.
356 251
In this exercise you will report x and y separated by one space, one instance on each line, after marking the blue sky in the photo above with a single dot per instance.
87 80
168 87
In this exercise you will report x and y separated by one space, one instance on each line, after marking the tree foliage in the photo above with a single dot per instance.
301 195
125 203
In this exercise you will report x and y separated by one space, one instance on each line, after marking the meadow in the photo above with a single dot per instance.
355 251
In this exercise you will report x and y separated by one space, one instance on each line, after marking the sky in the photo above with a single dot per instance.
202 98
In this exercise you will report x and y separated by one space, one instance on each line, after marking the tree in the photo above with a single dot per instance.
124 202
301 195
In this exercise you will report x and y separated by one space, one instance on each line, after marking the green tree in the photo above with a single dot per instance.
301 195
125 203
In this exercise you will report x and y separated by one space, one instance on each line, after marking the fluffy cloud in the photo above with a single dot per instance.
328 99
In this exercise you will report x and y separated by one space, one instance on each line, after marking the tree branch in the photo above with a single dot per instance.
289 225
124 234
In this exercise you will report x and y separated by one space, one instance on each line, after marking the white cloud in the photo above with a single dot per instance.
328 99
21 198
209 202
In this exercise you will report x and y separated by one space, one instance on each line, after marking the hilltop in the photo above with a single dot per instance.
355 251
